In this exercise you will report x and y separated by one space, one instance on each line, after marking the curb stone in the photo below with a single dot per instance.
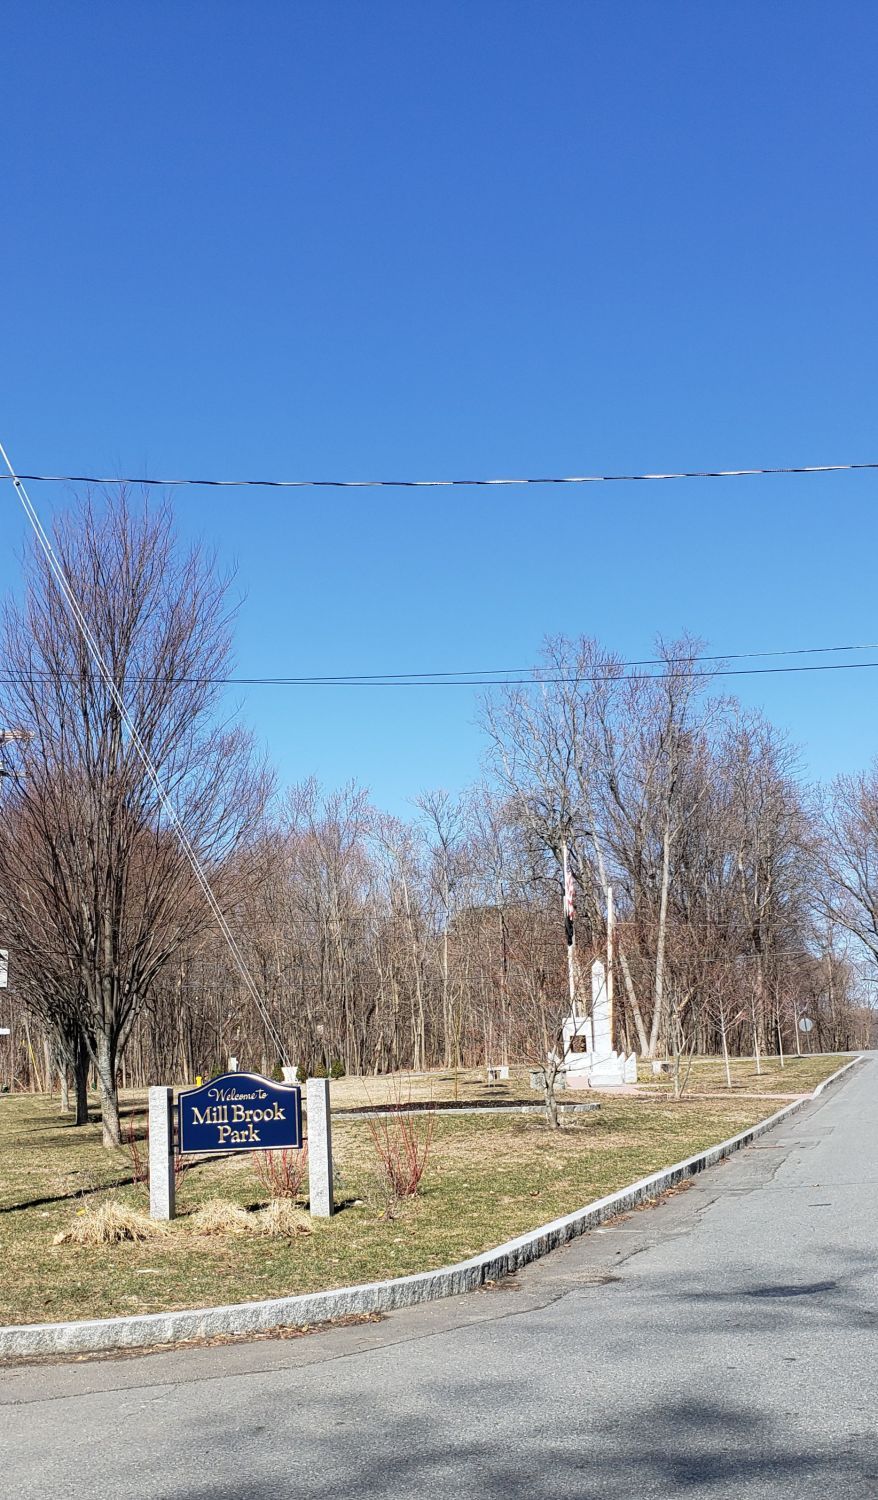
144 1329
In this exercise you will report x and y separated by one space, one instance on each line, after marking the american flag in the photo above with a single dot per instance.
569 896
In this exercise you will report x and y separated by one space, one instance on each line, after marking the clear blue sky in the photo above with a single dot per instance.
487 237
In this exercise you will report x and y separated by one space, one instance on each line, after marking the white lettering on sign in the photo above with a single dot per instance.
228 1094
225 1117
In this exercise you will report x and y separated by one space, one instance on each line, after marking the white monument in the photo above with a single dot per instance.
589 1059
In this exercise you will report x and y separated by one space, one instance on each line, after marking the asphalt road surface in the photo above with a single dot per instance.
722 1344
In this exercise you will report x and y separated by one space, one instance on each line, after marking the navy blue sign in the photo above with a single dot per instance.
239 1112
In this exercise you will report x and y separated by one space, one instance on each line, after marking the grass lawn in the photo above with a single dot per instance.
797 1075
487 1180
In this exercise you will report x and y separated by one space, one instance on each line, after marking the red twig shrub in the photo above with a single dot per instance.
139 1153
402 1145
281 1173
134 1147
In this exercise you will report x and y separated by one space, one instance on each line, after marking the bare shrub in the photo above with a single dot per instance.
281 1173
138 1152
138 1157
402 1143
181 1167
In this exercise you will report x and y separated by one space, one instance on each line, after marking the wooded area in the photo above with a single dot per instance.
745 899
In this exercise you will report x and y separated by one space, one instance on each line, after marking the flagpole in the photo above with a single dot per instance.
569 930
611 926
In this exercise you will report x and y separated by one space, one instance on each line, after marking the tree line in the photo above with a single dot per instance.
746 900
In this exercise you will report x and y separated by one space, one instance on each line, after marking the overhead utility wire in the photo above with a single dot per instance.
438 484
537 679
508 672
136 740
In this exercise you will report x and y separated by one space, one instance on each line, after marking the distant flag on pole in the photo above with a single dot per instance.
569 896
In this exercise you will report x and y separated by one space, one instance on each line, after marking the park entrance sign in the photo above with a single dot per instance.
239 1112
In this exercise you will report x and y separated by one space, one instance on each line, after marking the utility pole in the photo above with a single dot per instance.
611 925
6 737
6 1030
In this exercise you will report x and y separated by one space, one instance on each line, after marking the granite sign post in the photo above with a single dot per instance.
320 1149
161 1153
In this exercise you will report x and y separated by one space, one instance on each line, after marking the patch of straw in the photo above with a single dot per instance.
111 1223
283 1220
219 1216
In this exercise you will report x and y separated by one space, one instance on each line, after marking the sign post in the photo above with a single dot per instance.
161 1153
320 1149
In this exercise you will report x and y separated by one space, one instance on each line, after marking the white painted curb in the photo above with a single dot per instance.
145 1329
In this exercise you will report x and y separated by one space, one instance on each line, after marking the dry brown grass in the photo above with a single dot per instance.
281 1219
220 1216
110 1223
488 1179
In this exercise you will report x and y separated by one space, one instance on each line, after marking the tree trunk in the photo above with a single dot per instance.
81 1089
550 1075
446 1006
631 997
48 1064
80 1082
111 1134
723 1029
658 1012
65 1088
780 1038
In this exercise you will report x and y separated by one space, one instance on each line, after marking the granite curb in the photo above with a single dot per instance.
352 1116
145 1329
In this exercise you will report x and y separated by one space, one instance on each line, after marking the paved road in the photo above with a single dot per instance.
723 1344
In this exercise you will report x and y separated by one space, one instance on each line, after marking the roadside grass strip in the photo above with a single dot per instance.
488 1183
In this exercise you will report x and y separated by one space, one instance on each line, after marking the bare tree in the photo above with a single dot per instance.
101 875
396 845
443 831
849 857
768 840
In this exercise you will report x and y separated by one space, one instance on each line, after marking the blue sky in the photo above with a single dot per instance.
348 240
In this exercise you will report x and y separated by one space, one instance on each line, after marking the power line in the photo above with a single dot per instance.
94 651
437 484
537 679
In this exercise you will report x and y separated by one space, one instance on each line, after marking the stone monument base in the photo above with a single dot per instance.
609 1071
589 1058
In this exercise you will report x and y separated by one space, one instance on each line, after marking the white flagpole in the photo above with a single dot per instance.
567 907
611 925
